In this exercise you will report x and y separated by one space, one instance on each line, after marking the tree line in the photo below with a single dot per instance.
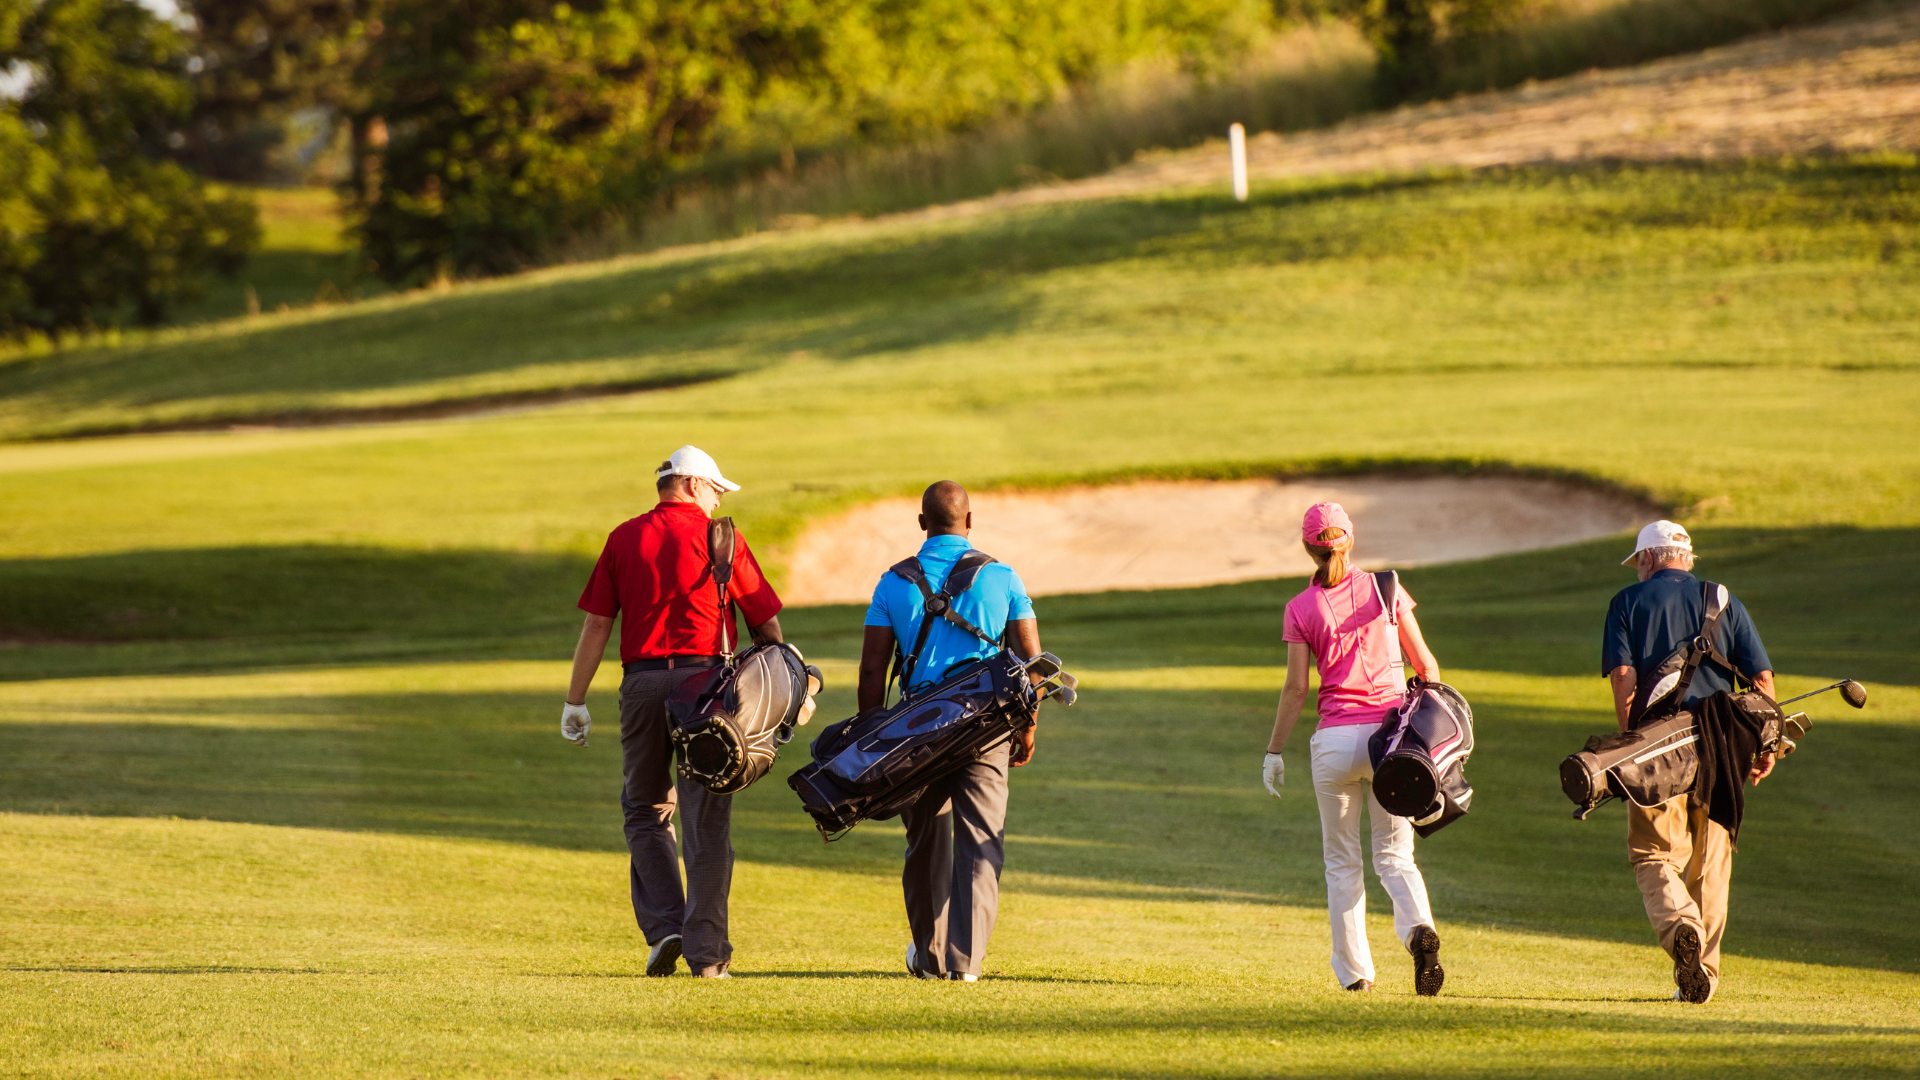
481 133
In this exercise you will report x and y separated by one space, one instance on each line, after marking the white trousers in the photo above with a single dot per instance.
1342 780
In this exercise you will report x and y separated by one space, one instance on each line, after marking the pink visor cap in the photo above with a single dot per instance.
1326 515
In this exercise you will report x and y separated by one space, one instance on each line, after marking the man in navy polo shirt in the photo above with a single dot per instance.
1682 861
956 829
654 574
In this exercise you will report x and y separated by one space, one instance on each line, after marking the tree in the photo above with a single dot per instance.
496 127
1414 36
95 226
261 61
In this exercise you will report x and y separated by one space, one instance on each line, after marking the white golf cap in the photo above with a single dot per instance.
1657 535
693 461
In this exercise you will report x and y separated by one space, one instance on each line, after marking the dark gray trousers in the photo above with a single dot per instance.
956 844
699 915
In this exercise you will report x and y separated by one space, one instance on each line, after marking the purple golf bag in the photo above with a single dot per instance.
1419 757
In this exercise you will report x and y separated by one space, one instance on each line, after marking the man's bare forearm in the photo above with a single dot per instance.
587 655
1624 680
767 633
876 650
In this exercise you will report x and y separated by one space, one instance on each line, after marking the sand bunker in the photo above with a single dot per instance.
1163 535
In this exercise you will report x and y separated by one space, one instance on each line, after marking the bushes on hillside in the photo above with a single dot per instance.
96 228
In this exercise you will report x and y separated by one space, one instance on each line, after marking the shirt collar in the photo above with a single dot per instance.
945 542
1671 573
680 507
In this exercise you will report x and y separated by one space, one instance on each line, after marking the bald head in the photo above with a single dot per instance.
944 509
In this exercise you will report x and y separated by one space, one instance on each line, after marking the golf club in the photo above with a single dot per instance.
1853 692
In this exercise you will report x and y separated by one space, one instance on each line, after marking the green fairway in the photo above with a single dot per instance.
281 787
1766 265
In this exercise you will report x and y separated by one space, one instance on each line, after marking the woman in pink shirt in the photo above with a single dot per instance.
1340 620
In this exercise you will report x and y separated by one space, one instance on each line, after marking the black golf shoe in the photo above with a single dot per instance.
1360 986
1428 975
1688 975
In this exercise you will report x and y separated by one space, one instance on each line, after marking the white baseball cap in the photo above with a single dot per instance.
1657 535
693 461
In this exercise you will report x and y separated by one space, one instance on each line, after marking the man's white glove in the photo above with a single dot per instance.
575 723
1274 772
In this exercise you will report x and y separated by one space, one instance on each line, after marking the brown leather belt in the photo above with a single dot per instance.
669 663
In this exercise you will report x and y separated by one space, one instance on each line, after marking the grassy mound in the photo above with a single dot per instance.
1664 265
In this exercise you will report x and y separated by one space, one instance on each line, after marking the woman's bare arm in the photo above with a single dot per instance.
1415 647
1293 695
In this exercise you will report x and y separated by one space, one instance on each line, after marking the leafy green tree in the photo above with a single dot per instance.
496 127
95 226
259 62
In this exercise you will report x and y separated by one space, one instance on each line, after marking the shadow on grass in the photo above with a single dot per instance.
1827 601
1134 795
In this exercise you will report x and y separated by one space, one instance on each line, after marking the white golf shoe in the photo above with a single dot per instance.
665 956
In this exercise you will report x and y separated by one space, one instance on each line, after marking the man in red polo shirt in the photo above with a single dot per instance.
654 574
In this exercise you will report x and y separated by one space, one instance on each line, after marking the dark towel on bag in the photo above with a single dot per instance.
1730 733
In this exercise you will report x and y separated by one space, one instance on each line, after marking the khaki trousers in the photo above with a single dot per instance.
660 906
1683 863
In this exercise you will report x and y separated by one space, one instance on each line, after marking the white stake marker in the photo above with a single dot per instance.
1237 146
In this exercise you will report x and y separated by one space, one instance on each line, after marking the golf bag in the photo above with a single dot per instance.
1658 757
729 722
1658 761
876 764
1419 757
1646 766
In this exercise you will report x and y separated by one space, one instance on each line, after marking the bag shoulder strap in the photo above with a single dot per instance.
1386 588
1714 601
721 542
937 604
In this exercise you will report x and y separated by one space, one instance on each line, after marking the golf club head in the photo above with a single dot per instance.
1066 695
1046 665
1854 693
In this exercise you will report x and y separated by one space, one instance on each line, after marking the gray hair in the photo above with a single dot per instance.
1669 556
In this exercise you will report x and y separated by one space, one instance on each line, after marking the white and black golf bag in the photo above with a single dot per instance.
729 722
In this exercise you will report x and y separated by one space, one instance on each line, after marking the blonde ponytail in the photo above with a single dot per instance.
1330 555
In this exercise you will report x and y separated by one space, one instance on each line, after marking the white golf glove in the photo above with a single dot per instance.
575 723
1274 772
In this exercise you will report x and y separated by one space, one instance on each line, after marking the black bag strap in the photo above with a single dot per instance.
721 541
959 580
1386 587
1713 604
